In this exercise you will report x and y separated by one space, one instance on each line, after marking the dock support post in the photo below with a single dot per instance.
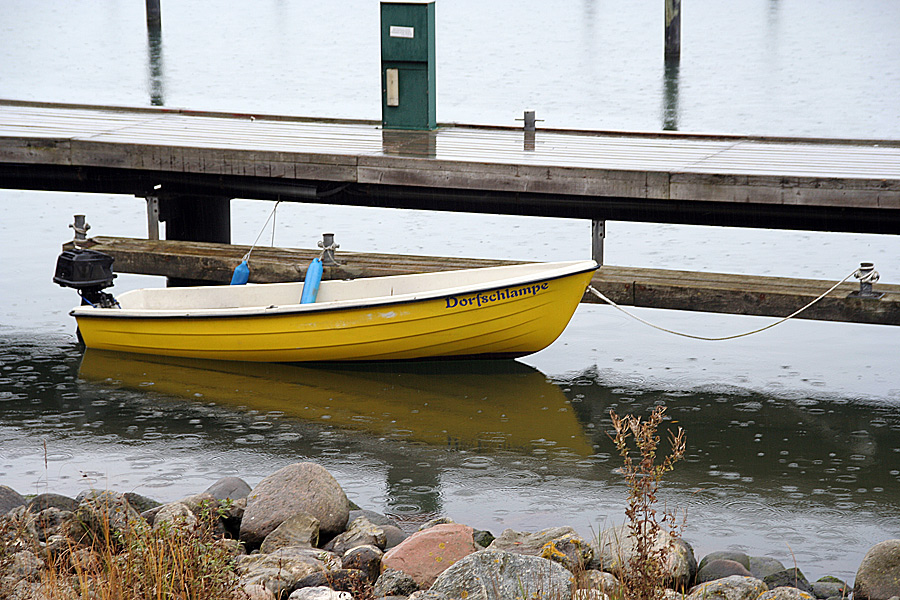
196 219
598 234
673 29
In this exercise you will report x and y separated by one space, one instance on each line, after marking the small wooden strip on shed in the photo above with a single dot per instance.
650 288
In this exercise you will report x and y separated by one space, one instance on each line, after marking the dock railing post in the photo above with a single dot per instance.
598 234
152 218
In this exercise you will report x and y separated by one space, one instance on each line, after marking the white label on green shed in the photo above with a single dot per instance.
403 32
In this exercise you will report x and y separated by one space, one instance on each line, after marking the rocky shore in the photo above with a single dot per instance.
296 535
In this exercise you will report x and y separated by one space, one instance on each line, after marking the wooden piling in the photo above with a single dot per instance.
673 29
154 15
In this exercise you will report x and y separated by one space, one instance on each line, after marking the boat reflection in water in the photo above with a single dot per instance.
465 404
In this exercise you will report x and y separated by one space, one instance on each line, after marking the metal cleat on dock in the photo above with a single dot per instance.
867 276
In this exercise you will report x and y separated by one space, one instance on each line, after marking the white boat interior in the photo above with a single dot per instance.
273 297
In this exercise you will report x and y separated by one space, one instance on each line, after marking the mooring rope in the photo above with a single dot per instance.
594 291
262 229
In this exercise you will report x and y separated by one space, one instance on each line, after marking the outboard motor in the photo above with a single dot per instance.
89 272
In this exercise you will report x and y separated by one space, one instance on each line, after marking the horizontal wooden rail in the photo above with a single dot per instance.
651 288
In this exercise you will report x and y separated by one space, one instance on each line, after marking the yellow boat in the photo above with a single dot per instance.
494 312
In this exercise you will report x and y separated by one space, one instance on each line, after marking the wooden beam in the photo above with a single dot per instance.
650 288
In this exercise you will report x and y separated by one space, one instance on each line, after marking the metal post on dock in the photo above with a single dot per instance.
152 218
529 126
328 247
867 276
673 29
81 228
598 234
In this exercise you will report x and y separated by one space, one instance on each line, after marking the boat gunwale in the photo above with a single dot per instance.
288 310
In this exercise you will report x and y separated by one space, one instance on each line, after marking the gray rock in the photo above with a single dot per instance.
603 582
361 532
9 499
761 566
319 593
366 559
280 571
393 536
374 517
616 546
232 515
878 576
786 593
436 521
174 514
257 592
202 505
42 501
483 538
828 589
342 580
141 503
299 530
392 582
735 587
229 488
52 522
719 568
569 550
499 575
301 487
25 565
107 514
788 578
392 531
738 557
530 543
428 595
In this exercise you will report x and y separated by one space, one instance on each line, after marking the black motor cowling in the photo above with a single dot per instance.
89 272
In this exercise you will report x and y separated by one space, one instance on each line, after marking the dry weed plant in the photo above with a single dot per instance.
176 561
644 577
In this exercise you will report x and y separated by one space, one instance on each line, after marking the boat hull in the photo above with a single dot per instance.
504 321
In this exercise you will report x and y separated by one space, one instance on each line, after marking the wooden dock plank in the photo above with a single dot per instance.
650 288
664 166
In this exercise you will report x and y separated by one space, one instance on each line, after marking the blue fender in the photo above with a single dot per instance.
312 281
241 274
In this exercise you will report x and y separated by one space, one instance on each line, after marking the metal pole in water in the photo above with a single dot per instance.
154 15
673 29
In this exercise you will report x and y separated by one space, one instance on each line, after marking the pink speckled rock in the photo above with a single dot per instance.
426 554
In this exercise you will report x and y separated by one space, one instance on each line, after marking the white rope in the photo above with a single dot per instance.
727 337
262 229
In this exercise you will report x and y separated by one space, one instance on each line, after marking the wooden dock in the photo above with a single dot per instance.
651 288
827 185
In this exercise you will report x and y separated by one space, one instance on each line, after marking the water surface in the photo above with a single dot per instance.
792 434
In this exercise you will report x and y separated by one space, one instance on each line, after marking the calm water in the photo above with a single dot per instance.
794 434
